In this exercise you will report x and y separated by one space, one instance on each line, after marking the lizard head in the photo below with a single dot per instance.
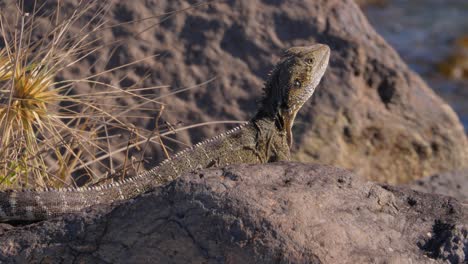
292 82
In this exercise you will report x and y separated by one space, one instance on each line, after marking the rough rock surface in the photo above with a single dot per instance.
453 184
273 213
371 113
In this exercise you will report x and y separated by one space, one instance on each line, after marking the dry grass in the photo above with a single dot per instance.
52 136
35 124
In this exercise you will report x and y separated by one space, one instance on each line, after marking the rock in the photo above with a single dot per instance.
453 184
371 113
273 213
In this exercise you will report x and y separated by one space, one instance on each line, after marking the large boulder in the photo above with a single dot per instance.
371 113
273 213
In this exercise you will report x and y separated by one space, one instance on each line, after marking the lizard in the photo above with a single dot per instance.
267 137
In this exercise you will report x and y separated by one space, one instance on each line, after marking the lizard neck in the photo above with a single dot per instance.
269 108
272 97
267 123
270 118
271 138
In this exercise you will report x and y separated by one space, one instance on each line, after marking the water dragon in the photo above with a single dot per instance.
267 137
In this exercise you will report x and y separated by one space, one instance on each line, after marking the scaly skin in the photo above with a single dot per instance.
265 138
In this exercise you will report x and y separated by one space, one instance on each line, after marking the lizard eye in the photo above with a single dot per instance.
297 83
310 61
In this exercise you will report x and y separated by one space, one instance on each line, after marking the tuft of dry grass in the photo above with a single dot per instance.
33 124
52 136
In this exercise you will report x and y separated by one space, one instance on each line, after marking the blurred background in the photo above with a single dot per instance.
432 38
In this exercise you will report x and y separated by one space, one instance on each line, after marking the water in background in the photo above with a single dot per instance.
432 37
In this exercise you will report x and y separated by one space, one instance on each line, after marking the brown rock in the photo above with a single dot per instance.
274 213
454 183
371 113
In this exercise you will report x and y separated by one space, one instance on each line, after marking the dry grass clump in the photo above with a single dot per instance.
50 136
53 135
34 124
